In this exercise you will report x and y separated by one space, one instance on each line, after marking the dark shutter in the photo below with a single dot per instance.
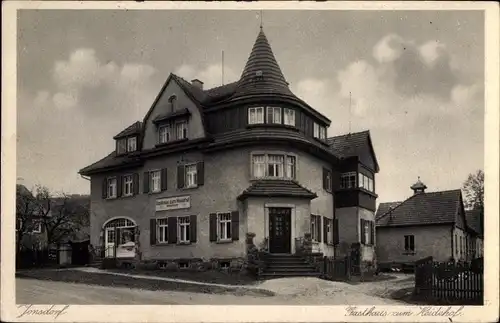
200 171
145 182
362 225
119 186
152 232
192 228
180 176
105 188
235 225
135 179
325 178
325 229
318 227
335 231
164 179
213 227
407 243
372 233
172 230
118 239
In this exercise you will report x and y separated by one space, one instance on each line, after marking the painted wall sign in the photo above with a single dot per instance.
173 203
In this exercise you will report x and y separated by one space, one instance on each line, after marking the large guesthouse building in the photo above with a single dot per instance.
206 167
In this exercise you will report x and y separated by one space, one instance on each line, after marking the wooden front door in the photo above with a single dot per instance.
280 230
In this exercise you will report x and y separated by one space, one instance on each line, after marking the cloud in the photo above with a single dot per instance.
431 51
390 48
211 75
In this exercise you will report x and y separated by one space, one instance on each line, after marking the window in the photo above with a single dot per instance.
127 185
183 229
191 175
290 167
181 130
121 146
367 232
131 144
259 165
112 187
289 117
154 183
348 180
329 229
165 134
315 227
255 115
275 166
365 182
273 115
410 244
224 226
319 131
162 230
327 185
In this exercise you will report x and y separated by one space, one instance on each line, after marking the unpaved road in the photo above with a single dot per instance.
289 291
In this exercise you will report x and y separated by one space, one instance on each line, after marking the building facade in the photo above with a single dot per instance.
206 167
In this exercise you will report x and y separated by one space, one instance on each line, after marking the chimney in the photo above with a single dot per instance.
418 187
197 83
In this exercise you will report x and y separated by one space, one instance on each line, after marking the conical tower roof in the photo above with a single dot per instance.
262 74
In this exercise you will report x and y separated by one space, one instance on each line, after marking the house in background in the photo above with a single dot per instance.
206 167
30 233
475 222
426 224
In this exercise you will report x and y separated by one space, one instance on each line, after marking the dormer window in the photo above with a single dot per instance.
171 102
256 115
273 115
181 130
172 131
289 117
121 147
131 144
165 133
319 131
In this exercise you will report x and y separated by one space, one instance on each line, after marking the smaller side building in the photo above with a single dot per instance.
475 223
426 224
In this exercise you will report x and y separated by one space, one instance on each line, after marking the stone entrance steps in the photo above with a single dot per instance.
287 266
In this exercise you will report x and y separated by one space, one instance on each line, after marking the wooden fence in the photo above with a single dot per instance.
450 282
336 268
32 258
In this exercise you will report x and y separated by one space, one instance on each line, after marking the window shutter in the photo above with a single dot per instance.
119 186
172 230
213 227
152 232
146 182
318 227
335 231
325 229
372 233
118 239
180 176
325 178
235 225
200 170
164 179
362 225
192 228
135 179
105 188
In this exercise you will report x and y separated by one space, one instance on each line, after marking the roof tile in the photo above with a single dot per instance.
277 188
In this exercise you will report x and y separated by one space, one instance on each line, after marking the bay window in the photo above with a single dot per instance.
259 165
273 115
319 131
255 115
290 167
274 166
348 180
365 182
289 117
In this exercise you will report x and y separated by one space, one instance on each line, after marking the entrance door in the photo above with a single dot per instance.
110 242
280 230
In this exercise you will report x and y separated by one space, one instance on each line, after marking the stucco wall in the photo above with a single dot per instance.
367 251
227 174
195 125
459 244
432 241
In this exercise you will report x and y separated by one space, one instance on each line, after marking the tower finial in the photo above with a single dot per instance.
261 19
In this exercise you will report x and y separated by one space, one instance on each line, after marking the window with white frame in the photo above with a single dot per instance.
181 130
367 232
165 134
127 185
290 167
255 115
275 166
289 117
191 175
329 229
319 131
112 187
162 230
315 227
224 226
121 146
155 181
348 180
365 182
131 144
259 166
183 225
273 115
410 243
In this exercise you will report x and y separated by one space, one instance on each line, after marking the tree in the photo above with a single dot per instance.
473 189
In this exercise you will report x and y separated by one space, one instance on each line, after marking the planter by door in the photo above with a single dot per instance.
280 230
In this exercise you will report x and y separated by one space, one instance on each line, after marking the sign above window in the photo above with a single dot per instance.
173 203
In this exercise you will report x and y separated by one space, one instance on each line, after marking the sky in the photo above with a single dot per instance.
416 80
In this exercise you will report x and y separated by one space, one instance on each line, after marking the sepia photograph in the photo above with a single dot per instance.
250 157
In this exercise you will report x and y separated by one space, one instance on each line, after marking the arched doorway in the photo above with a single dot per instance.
119 232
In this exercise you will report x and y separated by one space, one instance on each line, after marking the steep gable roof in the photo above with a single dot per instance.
357 144
423 209
383 208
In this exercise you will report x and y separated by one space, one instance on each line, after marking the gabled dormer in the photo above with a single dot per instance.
127 141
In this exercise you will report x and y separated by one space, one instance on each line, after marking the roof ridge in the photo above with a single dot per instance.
397 206
350 133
